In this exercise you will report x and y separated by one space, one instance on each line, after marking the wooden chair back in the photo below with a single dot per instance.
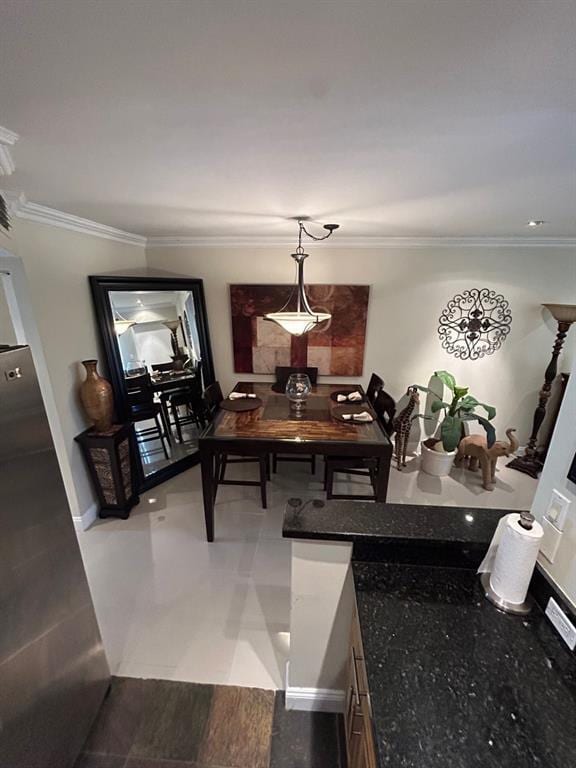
139 389
284 371
374 386
385 408
213 397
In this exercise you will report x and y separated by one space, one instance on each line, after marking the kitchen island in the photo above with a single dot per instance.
445 679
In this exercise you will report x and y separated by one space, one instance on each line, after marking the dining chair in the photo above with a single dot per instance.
282 375
284 371
144 408
188 395
213 397
385 408
375 385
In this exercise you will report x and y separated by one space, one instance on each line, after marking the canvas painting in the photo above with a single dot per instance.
336 347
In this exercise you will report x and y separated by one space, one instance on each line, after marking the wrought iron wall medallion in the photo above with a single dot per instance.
474 324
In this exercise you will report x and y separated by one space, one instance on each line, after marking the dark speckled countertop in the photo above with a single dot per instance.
453 682
396 532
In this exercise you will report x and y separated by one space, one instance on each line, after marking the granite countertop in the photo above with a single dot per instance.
396 532
453 682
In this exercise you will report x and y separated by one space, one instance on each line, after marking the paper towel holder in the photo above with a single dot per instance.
526 520
519 609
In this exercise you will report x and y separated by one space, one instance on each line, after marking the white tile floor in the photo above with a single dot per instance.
172 606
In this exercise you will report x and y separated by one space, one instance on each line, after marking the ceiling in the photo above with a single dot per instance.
144 299
395 118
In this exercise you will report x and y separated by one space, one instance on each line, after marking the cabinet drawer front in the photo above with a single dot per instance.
358 714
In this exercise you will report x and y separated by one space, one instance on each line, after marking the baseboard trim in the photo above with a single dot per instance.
313 699
86 519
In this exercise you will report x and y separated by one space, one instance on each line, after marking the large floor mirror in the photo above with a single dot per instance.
155 336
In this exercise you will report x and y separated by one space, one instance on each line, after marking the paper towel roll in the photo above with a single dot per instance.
515 559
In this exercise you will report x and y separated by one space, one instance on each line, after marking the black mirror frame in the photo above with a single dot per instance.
101 286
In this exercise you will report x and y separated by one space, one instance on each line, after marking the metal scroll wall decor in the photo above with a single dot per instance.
474 324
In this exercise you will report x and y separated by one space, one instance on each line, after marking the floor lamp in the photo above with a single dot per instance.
532 461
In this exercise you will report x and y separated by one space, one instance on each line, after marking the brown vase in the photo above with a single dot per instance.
97 398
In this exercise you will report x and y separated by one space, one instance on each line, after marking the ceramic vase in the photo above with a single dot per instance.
97 398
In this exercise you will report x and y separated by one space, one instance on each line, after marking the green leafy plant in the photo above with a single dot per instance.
462 407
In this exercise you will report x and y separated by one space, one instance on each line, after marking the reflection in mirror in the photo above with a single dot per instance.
159 344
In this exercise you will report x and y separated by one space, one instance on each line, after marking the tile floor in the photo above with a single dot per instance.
171 606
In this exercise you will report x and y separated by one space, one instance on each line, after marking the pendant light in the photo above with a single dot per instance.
304 319
121 325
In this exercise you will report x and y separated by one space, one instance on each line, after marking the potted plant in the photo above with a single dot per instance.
438 452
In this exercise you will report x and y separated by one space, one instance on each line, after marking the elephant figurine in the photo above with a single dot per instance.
474 450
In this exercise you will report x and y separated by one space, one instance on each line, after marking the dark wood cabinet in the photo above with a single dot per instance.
110 460
360 746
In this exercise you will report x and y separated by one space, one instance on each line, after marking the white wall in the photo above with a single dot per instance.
57 263
554 476
321 607
410 287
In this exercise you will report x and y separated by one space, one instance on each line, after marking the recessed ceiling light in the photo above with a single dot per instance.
536 223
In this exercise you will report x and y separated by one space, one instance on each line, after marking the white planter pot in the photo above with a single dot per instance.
436 463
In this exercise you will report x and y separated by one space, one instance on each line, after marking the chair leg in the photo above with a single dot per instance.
165 418
268 466
217 461
177 422
329 482
274 463
263 475
325 472
222 470
161 434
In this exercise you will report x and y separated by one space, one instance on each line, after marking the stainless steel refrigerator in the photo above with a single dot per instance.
53 671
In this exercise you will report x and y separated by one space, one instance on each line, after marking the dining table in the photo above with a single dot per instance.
277 427
164 380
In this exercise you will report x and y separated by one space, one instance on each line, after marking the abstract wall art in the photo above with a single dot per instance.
336 347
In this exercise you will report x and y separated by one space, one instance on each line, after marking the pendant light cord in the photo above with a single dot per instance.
302 229
299 288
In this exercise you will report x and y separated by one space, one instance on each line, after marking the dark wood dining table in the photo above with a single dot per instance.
275 428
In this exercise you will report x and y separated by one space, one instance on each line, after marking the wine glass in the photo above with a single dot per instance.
298 387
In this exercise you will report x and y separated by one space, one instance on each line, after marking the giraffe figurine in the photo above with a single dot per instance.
401 426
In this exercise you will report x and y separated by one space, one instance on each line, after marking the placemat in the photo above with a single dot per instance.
242 404
349 408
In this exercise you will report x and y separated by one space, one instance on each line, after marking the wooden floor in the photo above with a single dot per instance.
165 724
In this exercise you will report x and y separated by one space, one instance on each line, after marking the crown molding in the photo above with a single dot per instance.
7 139
24 209
7 166
364 242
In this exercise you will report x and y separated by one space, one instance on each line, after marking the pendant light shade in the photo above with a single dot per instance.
121 326
303 319
298 323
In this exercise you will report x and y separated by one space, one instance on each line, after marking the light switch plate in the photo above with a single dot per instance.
564 626
550 540
557 509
